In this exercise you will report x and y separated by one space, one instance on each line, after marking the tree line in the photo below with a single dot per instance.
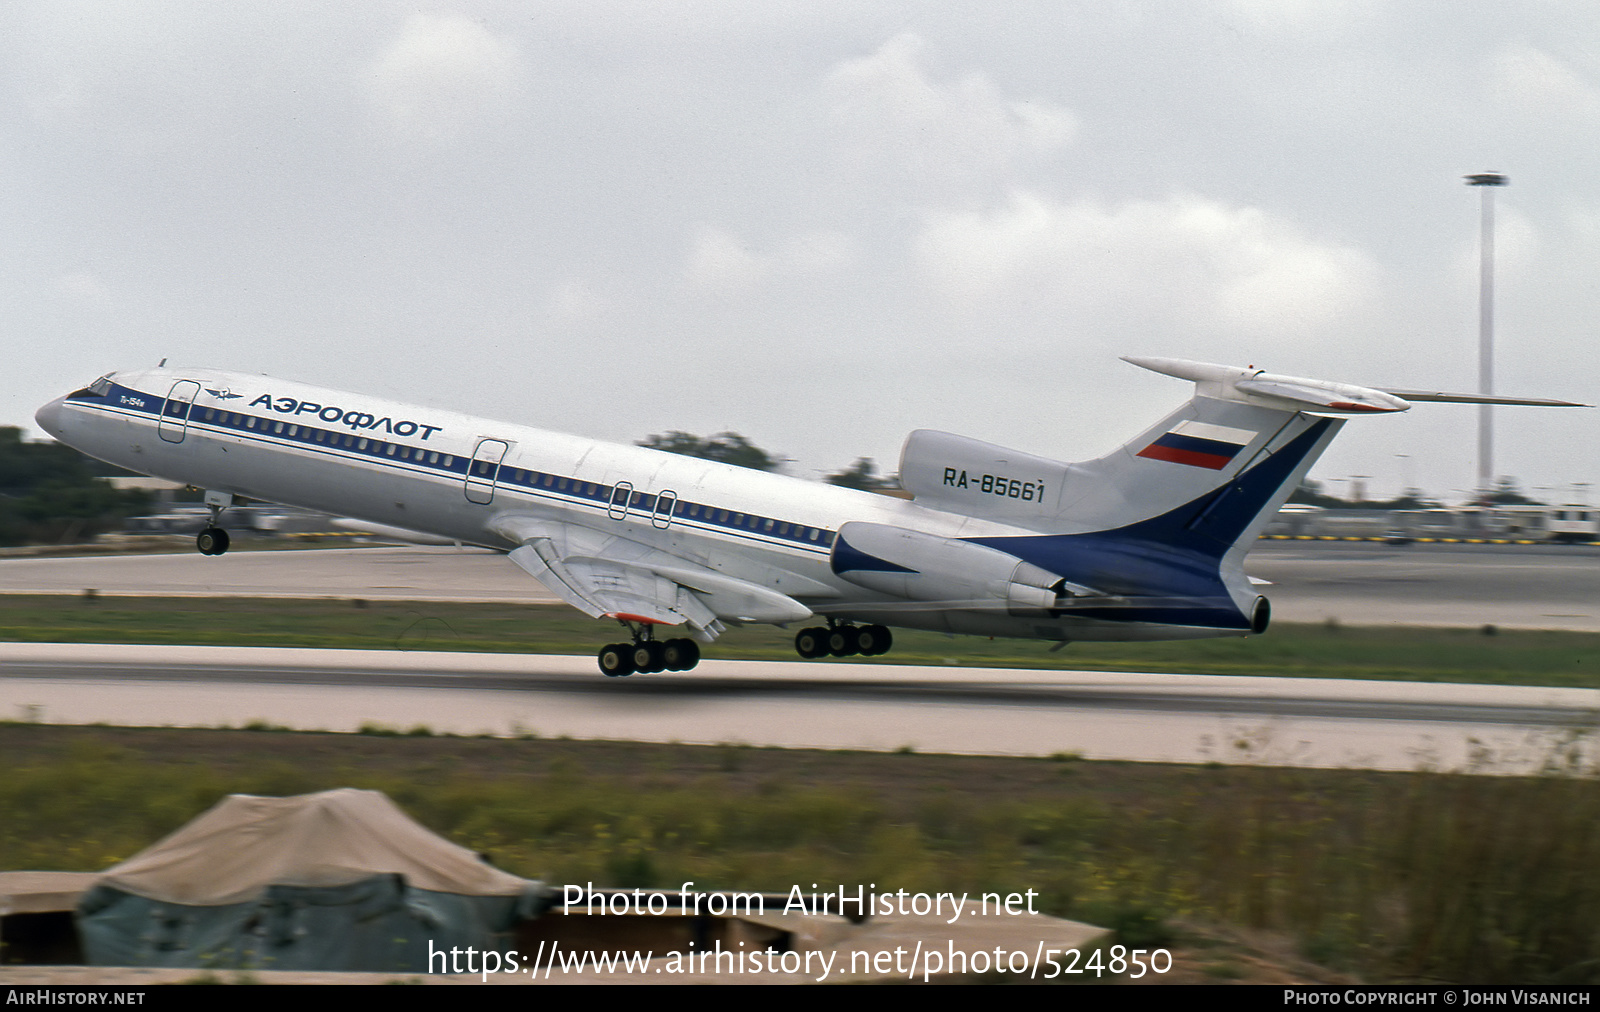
732 448
50 493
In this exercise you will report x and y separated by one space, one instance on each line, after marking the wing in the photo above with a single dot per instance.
608 576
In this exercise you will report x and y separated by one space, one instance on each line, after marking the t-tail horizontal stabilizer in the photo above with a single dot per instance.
1257 386
1446 398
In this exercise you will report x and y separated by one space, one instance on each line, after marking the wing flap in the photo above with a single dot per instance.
605 575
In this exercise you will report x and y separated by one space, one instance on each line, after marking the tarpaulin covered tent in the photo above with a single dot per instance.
342 880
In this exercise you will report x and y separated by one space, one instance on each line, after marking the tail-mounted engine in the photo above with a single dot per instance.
957 574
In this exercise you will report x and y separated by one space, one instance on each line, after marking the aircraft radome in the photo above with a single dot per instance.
1147 542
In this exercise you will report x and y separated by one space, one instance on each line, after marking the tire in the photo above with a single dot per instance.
212 541
615 660
811 643
874 640
842 641
648 657
682 654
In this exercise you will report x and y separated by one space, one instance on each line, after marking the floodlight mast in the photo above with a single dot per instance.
1488 181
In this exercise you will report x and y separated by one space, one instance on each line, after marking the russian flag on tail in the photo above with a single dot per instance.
1199 444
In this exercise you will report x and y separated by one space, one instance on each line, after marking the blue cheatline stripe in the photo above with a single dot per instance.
423 460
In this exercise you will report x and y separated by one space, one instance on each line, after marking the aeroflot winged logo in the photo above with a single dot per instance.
1199 444
356 420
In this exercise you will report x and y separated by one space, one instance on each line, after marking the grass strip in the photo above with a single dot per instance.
1389 877
1508 657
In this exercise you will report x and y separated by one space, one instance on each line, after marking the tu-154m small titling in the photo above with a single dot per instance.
1147 542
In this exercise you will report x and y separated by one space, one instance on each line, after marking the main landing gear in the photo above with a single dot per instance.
214 540
646 655
843 640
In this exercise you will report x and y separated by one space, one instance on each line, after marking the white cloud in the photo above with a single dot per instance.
719 259
814 253
83 286
1277 16
891 107
1542 85
1188 259
572 302
442 76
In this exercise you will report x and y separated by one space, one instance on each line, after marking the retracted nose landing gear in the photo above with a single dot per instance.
843 640
647 655
214 540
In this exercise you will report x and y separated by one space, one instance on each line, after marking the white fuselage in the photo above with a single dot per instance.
434 472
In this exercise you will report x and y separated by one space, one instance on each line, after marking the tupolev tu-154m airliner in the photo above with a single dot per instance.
1145 543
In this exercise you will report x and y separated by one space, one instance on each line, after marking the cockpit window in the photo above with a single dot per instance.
99 388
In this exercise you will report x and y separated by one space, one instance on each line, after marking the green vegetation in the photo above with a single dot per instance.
49 494
1506 493
1321 651
1310 493
863 474
725 447
1390 877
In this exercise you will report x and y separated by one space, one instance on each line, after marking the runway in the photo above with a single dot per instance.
1358 583
1098 715
407 574
1511 586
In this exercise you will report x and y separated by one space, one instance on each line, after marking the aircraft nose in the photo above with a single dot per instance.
49 416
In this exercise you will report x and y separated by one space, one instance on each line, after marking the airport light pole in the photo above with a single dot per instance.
1488 181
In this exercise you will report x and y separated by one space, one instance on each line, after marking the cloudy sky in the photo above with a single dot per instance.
818 224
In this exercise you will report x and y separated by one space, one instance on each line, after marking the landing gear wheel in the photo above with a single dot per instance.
648 657
681 654
811 643
842 641
874 640
616 660
212 541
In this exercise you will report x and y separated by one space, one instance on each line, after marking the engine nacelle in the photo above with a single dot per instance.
924 567
1260 616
